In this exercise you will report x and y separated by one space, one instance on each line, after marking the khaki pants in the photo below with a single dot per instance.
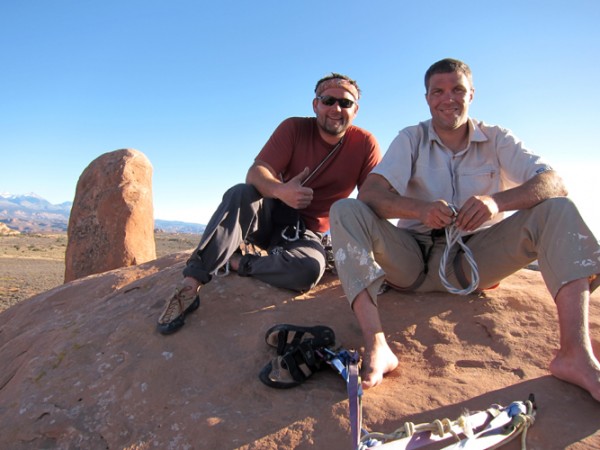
369 250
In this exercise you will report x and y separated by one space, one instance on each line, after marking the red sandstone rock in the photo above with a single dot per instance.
84 367
112 218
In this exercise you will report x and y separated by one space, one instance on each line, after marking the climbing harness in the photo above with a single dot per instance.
453 236
482 430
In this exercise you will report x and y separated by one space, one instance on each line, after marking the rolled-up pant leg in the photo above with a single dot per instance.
297 265
553 232
242 213
368 249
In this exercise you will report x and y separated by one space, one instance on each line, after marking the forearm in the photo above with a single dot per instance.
541 187
264 180
385 201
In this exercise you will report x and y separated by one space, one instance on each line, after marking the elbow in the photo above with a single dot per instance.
251 174
564 191
559 186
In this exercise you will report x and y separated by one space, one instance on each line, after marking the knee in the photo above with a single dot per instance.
241 192
342 208
311 275
306 267
557 203
556 206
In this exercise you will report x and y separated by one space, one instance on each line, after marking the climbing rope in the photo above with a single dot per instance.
439 428
453 236
497 426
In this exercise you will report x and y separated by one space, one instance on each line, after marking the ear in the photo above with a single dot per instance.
315 102
471 95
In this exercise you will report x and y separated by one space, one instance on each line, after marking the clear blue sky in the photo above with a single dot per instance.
199 86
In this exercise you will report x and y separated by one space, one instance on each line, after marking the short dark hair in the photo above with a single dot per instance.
333 76
448 65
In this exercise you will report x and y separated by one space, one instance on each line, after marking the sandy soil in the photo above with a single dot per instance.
34 263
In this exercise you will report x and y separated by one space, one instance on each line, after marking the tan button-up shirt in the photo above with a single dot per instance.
418 165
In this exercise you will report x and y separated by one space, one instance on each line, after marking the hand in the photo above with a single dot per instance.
437 214
476 211
293 194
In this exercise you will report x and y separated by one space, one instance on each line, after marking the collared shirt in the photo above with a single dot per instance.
418 165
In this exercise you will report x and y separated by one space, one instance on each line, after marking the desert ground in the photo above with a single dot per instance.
34 263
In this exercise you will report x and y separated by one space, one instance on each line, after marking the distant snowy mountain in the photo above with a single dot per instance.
30 213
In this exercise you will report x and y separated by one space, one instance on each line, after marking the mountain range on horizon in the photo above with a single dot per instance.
31 213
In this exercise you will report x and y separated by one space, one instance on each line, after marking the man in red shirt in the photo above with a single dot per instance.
283 208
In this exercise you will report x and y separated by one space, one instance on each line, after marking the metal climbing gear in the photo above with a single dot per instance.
482 430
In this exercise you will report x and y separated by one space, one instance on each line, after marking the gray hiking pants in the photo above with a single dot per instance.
369 250
245 216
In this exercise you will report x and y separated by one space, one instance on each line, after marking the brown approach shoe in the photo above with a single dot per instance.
184 301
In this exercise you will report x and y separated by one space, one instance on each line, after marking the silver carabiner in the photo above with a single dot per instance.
293 238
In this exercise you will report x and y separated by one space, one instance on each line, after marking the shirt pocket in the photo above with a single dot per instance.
482 180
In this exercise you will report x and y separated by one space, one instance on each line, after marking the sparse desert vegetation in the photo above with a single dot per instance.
34 263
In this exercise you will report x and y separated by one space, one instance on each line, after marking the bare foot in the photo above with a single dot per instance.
234 261
378 360
191 282
580 371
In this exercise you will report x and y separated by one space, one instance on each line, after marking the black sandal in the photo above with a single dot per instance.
293 368
285 337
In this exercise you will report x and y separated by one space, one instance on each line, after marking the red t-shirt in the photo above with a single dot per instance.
296 144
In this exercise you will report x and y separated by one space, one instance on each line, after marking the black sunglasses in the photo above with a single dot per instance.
328 100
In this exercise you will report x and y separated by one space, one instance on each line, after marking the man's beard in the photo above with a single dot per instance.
339 127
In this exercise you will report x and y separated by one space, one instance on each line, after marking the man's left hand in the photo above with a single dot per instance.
475 212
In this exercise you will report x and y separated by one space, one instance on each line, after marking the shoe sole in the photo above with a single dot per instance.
179 321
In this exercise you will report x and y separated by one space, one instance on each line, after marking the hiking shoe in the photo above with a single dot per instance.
184 301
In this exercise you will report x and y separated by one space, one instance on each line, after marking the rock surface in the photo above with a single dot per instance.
5 231
83 365
112 219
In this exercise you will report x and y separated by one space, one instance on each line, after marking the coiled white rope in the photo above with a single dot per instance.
453 237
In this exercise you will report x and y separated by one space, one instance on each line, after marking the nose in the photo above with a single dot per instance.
448 96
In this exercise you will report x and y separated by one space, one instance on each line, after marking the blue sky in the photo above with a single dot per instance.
199 86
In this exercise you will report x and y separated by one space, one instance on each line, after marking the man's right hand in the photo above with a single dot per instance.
437 215
293 194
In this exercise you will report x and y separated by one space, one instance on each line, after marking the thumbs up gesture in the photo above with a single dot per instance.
293 194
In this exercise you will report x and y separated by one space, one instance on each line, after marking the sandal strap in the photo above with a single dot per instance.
286 336
301 361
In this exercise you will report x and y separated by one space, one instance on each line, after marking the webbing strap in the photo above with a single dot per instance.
346 362
354 400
